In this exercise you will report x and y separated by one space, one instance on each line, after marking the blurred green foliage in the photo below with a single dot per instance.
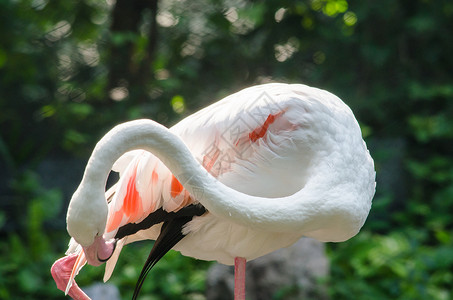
70 70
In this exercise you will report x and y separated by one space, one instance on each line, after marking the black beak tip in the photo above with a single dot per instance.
106 259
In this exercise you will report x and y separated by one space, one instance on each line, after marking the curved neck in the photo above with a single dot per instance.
307 211
146 135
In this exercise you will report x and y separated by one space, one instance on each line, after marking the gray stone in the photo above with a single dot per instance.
102 291
290 273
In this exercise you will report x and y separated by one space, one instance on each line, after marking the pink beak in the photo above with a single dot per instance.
100 251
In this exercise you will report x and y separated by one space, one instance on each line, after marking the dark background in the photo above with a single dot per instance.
70 70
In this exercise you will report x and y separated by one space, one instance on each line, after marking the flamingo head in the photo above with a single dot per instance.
86 221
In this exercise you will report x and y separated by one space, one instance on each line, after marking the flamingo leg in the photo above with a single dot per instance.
239 278
61 272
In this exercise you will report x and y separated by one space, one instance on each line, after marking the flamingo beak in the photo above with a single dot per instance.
100 251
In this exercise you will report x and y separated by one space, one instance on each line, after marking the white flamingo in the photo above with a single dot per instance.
241 178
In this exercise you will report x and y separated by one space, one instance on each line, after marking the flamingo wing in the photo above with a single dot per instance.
236 130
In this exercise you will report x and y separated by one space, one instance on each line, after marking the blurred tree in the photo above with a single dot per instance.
133 41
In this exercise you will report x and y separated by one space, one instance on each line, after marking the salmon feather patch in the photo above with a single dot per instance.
176 187
260 131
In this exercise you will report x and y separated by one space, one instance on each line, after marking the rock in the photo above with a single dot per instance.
102 291
290 273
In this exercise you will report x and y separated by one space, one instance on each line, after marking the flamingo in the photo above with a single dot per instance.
239 179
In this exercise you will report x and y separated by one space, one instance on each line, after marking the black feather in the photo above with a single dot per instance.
170 235
157 217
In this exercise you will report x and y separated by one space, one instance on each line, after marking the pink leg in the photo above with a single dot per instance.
61 271
239 278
